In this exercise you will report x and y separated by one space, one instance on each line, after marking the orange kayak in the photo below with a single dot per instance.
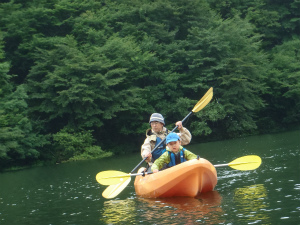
186 179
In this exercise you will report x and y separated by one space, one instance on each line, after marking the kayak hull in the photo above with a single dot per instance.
186 179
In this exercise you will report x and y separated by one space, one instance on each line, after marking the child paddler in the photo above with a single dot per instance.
174 154
156 134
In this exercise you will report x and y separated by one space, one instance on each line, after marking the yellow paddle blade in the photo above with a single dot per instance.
203 101
110 177
249 162
115 189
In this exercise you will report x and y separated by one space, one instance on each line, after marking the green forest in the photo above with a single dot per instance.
79 79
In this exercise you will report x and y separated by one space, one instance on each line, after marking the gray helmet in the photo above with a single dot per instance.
157 117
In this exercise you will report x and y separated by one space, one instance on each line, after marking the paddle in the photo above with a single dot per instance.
113 190
111 177
249 162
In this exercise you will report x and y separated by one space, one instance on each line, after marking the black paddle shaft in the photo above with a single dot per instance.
185 118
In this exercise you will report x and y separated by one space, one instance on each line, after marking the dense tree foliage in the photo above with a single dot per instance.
79 76
19 142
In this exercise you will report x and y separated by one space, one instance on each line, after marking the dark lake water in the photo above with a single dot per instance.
69 194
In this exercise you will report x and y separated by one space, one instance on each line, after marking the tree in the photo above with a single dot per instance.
283 95
277 21
20 145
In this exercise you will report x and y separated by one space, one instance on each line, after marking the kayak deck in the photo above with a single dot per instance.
186 179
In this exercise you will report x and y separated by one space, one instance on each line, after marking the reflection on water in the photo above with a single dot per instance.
119 211
181 210
251 202
184 210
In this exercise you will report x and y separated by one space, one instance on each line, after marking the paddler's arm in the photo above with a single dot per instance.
159 163
185 135
189 155
146 150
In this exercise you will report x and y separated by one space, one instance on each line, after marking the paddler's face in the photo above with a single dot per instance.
174 146
157 126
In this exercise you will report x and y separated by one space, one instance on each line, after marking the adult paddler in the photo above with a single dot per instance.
156 134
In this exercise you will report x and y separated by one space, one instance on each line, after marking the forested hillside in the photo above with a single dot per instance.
80 78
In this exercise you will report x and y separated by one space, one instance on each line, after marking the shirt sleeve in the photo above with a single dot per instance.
159 163
189 155
185 136
146 147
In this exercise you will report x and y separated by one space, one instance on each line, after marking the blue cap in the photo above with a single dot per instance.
172 137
